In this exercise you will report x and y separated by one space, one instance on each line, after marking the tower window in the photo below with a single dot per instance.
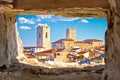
46 35
39 35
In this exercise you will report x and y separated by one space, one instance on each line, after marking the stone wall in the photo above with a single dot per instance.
3 41
54 4
11 48
112 70
10 44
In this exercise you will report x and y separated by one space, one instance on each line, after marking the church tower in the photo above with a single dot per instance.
71 33
43 36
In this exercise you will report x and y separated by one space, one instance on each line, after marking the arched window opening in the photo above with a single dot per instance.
39 35
46 35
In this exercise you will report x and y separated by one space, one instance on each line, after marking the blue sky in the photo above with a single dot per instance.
87 28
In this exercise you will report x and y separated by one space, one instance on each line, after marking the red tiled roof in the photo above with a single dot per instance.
81 52
68 40
43 54
60 41
48 51
102 46
79 42
33 47
58 50
97 51
29 56
92 40
99 47
51 51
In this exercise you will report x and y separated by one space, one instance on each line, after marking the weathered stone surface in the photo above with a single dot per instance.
7 1
53 4
67 12
15 46
5 7
112 69
113 52
20 54
3 41
11 46
28 72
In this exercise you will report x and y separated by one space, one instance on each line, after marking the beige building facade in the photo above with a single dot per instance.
69 43
71 33
61 56
63 43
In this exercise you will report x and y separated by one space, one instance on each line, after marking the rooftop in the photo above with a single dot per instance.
29 56
92 40
81 52
60 41
50 51
42 54
80 42
28 47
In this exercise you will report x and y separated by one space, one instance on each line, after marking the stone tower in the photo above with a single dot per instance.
43 36
71 33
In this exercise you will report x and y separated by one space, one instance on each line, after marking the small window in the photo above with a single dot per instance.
58 54
99 44
39 35
54 55
46 35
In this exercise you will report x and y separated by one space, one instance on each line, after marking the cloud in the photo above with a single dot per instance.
67 19
25 28
84 21
44 16
53 18
42 24
38 20
24 20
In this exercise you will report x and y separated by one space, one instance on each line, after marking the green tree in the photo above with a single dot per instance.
80 56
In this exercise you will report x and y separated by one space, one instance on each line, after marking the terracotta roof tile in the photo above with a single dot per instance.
92 40
48 51
29 56
43 54
60 41
81 52
33 47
